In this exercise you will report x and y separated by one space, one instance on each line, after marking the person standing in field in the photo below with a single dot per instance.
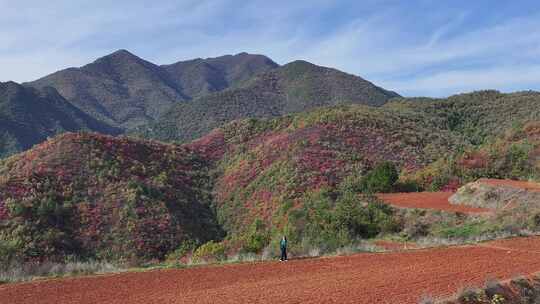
283 247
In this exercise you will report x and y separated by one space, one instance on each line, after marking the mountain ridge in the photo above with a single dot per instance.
126 91
295 87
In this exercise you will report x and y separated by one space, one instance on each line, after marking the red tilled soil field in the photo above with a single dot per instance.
427 200
401 277
529 186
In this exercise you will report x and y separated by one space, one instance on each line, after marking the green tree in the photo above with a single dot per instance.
257 237
381 179
363 219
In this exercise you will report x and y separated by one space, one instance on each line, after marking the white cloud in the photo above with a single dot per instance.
382 47
41 37
380 43
504 78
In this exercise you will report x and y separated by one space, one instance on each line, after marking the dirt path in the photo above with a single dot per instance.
428 200
401 277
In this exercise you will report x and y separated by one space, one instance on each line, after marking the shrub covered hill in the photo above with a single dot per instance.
480 115
501 131
29 116
92 195
513 155
88 195
295 87
275 173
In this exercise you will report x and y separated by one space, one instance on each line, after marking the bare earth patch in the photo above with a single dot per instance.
428 200
498 194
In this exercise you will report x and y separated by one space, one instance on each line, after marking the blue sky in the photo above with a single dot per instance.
417 48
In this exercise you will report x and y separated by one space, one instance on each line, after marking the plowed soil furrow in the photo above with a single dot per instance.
401 277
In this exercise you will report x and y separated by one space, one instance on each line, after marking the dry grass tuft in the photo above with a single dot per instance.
31 271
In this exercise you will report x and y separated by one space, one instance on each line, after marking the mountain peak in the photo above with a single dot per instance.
301 62
246 54
300 66
121 55
243 58
118 58
199 76
9 83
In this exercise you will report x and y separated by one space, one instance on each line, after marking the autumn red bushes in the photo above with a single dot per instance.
103 197
512 156
272 168
128 199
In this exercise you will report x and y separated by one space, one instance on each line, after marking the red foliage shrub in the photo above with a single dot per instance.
211 146
452 186
3 211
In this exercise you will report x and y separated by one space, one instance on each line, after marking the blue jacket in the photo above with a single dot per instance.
283 244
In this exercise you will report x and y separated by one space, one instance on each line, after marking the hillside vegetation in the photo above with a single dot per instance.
95 196
513 155
295 87
127 91
309 175
89 195
292 174
297 150
498 194
480 116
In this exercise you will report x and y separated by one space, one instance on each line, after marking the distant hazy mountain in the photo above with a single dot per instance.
127 91
294 87
28 116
